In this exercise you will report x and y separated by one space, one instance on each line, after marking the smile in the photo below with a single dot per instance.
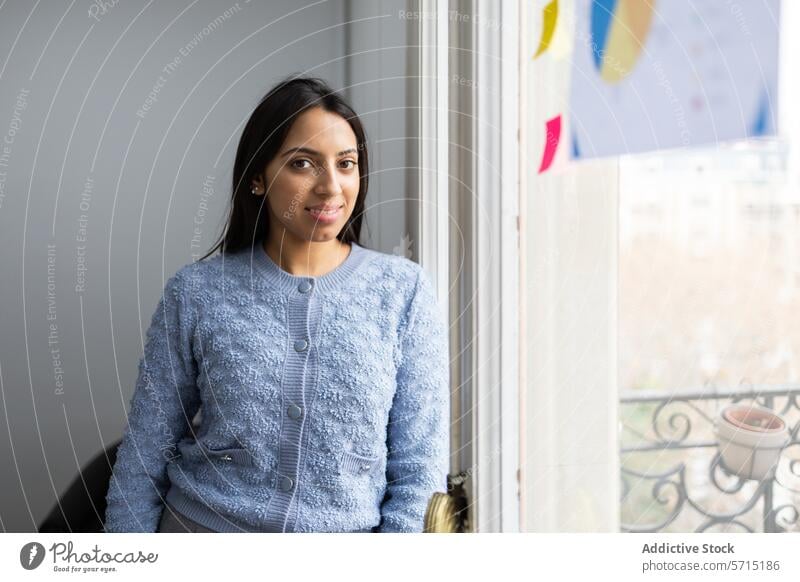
325 216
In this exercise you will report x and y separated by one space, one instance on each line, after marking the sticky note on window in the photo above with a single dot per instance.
552 138
549 21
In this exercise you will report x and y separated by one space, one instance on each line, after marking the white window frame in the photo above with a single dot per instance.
468 234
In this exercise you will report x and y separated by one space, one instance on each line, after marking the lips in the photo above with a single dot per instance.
324 207
325 214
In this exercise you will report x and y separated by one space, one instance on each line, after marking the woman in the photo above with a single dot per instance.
320 366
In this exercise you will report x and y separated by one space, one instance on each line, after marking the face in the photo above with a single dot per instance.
312 183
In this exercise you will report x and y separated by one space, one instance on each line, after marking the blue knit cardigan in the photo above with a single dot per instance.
324 400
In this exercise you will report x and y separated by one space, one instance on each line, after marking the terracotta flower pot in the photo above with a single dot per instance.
750 439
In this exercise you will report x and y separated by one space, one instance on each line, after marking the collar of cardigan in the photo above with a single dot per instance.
284 281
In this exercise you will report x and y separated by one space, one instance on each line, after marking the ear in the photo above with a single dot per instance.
257 185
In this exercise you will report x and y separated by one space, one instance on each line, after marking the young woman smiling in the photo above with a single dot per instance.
320 366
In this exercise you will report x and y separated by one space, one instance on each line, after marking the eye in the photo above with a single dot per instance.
352 163
297 163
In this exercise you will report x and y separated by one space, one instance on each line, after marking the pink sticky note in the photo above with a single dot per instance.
551 142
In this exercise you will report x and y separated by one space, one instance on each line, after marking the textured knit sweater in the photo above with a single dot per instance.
324 400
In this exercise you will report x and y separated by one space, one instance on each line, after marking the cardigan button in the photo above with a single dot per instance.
300 345
294 411
286 484
305 286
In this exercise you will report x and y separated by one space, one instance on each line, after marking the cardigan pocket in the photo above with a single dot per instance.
199 451
238 455
353 464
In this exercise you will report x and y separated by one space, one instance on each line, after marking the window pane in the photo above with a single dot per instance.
709 314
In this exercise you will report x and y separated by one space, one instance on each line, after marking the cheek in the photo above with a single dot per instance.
351 185
288 189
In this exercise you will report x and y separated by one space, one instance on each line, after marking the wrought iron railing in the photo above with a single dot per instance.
672 475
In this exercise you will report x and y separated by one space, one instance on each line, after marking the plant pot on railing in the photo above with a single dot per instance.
750 440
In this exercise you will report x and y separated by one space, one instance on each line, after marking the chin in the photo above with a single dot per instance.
319 235
324 236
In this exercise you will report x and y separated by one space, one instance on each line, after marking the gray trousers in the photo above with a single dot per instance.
174 522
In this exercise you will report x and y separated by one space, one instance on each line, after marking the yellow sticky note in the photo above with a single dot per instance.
549 21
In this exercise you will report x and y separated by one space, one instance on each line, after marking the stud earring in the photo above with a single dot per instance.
254 190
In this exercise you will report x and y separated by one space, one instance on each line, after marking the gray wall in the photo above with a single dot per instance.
98 197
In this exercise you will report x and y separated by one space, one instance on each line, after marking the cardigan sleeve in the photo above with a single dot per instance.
418 433
163 404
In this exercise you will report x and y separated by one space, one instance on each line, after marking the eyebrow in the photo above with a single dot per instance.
314 152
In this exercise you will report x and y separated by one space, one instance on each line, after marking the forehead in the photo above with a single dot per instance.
321 130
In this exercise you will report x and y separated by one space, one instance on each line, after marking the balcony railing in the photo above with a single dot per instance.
672 475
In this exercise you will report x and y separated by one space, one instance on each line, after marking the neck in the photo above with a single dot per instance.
304 258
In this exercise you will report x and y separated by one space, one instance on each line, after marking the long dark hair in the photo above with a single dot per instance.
261 139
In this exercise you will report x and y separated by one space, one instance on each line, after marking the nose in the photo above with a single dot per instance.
327 182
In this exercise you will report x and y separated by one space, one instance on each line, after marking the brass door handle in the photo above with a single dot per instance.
447 512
